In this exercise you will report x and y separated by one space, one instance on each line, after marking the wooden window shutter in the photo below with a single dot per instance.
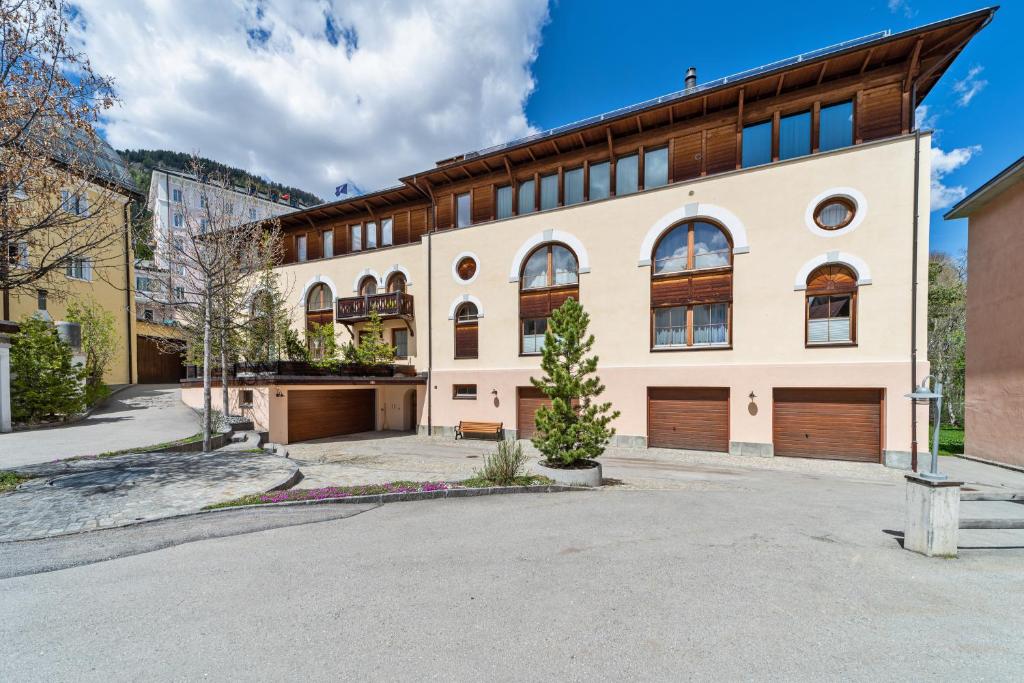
417 224
880 112
401 228
444 212
721 149
483 203
686 157
467 343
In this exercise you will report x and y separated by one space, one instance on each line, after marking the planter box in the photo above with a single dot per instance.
589 476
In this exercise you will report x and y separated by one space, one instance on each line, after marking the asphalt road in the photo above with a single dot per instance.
140 415
782 576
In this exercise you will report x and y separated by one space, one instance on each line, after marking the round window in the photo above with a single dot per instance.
834 213
466 268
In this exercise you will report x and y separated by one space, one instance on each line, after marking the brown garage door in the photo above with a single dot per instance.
530 398
835 424
317 413
160 361
695 418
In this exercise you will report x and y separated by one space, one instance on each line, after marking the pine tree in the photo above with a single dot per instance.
575 427
44 382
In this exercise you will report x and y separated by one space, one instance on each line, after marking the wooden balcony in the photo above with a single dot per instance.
355 309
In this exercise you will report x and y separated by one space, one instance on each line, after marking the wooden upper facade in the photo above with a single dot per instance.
695 133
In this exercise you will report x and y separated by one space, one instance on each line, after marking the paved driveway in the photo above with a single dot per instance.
141 415
782 576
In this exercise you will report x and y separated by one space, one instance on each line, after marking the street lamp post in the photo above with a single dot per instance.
922 393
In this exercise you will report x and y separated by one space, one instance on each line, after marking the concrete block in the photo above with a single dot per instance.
899 460
629 441
932 517
753 449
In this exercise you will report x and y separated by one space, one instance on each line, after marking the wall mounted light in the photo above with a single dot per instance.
752 396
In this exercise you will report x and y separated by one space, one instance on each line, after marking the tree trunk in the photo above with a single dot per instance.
207 359
225 402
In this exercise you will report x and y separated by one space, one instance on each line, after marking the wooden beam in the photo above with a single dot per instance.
583 140
1008 496
739 128
508 169
821 73
639 124
912 64
554 143
1017 523
867 59
529 150
611 146
778 88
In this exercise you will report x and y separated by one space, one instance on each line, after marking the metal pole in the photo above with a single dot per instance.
935 437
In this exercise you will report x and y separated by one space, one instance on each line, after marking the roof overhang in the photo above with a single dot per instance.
978 199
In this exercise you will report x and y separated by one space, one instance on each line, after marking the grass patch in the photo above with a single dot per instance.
137 449
951 440
481 482
10 480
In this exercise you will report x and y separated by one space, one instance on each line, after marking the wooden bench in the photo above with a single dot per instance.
481 428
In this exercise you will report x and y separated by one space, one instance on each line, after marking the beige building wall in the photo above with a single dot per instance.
112 286
766 210
994 403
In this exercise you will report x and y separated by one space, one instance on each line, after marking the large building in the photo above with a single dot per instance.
105 276
746 249
994 397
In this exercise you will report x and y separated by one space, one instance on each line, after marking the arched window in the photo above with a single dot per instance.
368 285
550 275
396 282
831 307
319 304
467 331
550 265
691 287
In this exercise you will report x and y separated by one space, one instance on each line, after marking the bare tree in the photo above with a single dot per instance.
213 259
947 329
59 208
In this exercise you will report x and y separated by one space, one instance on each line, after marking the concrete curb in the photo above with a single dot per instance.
994 463
382 498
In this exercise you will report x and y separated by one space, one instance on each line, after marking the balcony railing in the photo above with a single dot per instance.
388 305
300 369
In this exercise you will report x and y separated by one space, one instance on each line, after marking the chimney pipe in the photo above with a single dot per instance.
691 77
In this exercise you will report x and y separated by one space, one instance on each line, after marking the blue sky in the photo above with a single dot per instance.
598 55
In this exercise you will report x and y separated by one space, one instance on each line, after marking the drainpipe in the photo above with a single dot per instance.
128 289
430 335
917 204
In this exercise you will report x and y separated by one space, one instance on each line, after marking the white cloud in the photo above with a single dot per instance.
924 119
969 86
318 92
901 6
944 163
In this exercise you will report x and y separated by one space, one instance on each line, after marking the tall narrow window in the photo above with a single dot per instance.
371 235
462 211
319 302
368 286
600 178
691 287
831 306
656 168
357 237
548 191
757 144
328 243
504 200
573 186
835 126
300 247
795 135
400 340
387 230
396 283
627 174
176 195
179 220
549 276
467 331
79 268
527 200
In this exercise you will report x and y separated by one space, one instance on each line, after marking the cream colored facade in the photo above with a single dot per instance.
766 211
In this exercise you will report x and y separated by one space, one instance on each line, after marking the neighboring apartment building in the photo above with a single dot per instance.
108 277
159 340
994 401
744 247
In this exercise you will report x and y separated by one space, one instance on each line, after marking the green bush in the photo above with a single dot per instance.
44 383
506 466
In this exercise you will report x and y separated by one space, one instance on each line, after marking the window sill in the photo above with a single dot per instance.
466 357
829 345
703 347
530 355
463 398
78 279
